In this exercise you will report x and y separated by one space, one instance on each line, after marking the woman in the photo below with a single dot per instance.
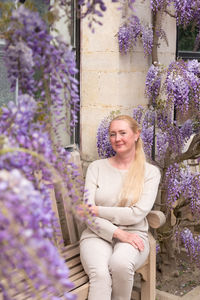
121 191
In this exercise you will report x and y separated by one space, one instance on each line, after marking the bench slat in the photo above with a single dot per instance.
81 291
73 262
73 271
80 281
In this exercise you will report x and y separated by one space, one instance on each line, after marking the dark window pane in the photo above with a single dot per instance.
187 48
5 93
186 38
41 6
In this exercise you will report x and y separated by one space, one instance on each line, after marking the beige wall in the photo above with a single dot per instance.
109 80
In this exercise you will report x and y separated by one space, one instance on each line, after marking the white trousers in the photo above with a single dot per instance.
111 267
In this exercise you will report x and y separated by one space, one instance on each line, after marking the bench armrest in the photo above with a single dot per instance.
156 218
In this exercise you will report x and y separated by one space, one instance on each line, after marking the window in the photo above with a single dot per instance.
186 47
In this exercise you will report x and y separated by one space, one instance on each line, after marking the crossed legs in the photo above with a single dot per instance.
110 267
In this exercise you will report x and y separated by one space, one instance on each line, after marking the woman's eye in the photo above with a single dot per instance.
123 133
112 134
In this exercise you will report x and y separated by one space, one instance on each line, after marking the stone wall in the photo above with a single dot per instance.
111 81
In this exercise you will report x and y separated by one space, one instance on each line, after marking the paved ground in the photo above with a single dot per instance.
192 295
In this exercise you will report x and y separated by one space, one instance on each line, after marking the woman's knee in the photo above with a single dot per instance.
121 267
99 274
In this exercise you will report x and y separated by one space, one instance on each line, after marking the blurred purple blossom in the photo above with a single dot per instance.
35 59
25 239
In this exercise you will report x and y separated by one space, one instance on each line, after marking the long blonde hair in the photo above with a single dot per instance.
134 180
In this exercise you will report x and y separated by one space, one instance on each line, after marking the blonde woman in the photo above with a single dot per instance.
121 190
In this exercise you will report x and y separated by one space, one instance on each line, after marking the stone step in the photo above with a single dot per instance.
192 295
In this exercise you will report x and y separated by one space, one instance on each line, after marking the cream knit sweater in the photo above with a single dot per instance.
103 184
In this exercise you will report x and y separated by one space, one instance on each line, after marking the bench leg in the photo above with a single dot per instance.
148 289
148 286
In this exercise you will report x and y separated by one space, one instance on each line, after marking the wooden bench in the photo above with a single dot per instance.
71 231
147 271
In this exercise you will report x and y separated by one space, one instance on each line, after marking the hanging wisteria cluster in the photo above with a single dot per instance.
93 10
43 65
192 245
129 33
103 142
25 242
187 11
182 84
157 5
153 83
183 185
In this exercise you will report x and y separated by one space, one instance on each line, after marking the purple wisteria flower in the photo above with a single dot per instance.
182 85
44 66
191 243
182 182
147 136
158 4
162 144
93 10
26 236
128 34
184 11
153 83
35 152
104 147
138 113
193 66
146 119
147 39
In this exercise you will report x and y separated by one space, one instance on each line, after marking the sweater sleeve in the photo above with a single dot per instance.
104 228
136 213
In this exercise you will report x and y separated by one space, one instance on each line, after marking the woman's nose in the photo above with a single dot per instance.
117 137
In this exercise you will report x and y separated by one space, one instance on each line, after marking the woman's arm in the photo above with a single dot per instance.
105 229
134 214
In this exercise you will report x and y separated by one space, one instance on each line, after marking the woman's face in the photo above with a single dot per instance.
122 137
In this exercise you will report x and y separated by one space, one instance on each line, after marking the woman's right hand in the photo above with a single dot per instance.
128 237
